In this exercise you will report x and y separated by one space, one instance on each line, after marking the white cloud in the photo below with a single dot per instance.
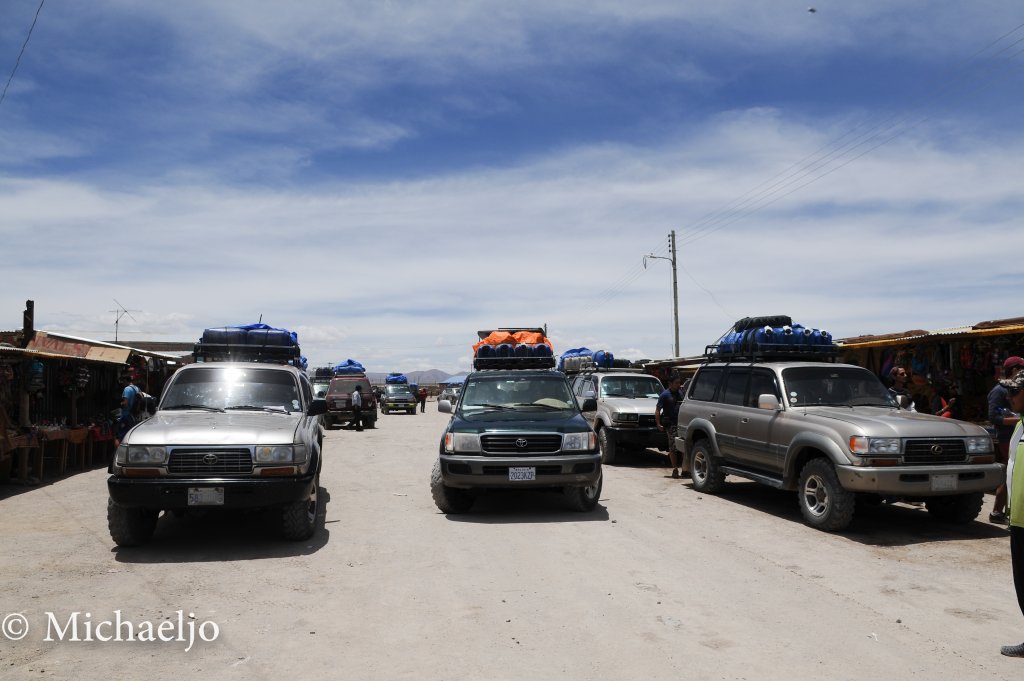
384 272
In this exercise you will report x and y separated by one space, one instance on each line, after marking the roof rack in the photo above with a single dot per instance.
514 363
772 338
243 352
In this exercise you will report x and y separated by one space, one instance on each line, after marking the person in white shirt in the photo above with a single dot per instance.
357 408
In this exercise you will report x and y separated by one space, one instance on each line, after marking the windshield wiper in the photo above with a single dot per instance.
494 407
253 407
549 407
195 406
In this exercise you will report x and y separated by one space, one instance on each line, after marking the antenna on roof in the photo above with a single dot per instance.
121 312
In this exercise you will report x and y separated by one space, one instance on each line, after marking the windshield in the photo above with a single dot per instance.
398 390
631 386
347 385
232 388
528 393
835 386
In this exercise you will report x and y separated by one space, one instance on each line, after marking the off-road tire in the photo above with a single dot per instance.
608 446
824 504
298 518
584 499
707 477
448 499
958 508
130 526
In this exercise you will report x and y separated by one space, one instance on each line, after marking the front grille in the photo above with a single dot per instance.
210 462
521 444
934 451
647 420
541 470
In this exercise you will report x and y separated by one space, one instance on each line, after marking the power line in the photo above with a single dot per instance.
23 46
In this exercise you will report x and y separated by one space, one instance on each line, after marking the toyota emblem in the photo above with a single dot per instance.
521 442
936 449
210 459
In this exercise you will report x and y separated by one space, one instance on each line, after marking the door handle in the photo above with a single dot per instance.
744 420
712 415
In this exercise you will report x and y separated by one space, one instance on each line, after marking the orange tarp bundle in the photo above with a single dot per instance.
519 337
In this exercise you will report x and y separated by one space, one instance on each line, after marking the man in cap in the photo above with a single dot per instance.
1015 491
1004 418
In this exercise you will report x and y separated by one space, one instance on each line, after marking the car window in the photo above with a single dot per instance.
735 386
835 386
761 381
307 390
705 384
232 387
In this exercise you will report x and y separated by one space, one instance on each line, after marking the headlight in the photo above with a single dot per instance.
979 445
462 442
633 417
276 454
579 441
146 455
884 446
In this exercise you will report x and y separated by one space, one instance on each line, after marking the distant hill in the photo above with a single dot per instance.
428 377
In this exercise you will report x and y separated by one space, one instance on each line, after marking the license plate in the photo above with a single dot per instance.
944 483
520 473
205 496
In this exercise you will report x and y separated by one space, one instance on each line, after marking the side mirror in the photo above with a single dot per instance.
768 401
317 407
589 404
444 406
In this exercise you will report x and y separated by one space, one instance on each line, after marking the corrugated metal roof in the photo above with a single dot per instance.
946 334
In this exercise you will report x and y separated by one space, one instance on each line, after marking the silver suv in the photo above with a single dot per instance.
831 432
624 416
225 435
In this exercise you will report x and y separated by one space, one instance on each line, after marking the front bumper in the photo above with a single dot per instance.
577 470
636 436
168 493
911 481
401 405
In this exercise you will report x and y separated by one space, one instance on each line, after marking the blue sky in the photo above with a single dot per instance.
387 177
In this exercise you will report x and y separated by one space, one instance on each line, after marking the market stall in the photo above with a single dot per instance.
968 359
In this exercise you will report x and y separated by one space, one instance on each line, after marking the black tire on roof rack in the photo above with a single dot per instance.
757 322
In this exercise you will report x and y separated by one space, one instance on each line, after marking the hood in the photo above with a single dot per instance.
886 422
213 428
636 405
506 422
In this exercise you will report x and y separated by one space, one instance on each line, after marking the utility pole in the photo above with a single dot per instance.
675 283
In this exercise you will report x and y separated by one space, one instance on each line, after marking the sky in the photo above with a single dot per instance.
387 177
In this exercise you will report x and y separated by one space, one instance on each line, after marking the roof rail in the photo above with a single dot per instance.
483 363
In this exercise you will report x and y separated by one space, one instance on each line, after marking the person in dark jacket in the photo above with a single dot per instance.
1002 416
666 414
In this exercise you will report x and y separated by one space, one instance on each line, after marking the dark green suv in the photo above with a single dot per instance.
516 429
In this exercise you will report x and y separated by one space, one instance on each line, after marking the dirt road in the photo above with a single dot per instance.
658 583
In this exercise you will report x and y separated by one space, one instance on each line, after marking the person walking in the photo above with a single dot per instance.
357 407
421 395
666 414
1003 417
1015 492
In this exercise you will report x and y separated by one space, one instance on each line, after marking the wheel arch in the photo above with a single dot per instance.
804 448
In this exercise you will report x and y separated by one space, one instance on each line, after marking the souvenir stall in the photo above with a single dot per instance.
59 398
964 362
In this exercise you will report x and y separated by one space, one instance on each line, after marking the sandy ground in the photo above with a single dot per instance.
658 583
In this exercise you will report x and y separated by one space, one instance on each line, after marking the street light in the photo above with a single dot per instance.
675 284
